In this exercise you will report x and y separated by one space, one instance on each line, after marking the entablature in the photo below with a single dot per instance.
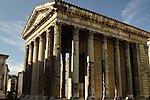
91 19
75 16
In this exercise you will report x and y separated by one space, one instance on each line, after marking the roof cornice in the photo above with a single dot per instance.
35 12
84 14
100 19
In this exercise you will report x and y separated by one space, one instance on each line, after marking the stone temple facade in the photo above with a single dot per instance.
74 53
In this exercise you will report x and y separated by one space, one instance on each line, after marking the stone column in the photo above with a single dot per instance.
90 54
137 74
29 70
106 95
117 70
25 69
129 87
75 74
48 64
26 58
56 61
41 66
34 70
64 75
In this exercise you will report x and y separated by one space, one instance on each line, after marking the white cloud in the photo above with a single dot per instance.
15 68
134 8
13 41
11 27
11 32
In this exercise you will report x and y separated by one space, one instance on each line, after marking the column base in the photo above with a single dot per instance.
27 97
55 98
148 98
45 98
81 98
129 97
91 98
32 97
74 98
38 97
107 98
64 99
22 97
140 98
118 98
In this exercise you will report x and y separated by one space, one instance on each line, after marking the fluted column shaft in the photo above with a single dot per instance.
48 64
34 70
25 69
117 69
41 65
128 71
106 95
30 54
75 54
29 69
26 57
56 60
90 54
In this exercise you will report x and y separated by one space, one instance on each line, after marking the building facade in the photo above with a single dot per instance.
107 59
3 75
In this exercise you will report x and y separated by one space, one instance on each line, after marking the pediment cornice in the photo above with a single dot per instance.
39 15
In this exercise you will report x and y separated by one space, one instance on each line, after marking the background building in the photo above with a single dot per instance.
12 87
3 75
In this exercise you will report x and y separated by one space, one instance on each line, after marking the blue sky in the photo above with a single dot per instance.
15 13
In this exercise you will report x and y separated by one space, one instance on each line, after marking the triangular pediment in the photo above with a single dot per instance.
39 13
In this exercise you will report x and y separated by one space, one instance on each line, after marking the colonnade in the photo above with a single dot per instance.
43 65
43 61
117 67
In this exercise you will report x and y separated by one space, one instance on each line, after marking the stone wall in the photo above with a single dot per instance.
144 69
